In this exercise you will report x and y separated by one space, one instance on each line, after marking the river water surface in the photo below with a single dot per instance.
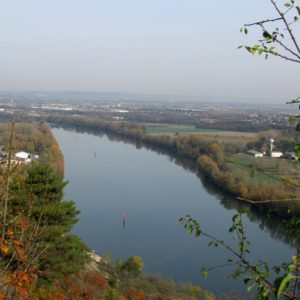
110 178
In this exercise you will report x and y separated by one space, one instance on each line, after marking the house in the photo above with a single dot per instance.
23 157
255 153
276 154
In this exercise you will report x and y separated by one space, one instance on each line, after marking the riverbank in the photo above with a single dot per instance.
34 138
155 189
210 157
101 279
59 265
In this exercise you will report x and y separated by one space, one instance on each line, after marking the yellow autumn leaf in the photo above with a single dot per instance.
4 248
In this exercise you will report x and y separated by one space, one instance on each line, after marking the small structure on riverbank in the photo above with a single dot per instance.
255 153
270 152
274 154
19 158
23 157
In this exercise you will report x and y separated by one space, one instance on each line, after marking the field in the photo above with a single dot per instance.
264 169
173 129
233 137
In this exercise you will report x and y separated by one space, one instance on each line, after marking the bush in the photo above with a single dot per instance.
134 265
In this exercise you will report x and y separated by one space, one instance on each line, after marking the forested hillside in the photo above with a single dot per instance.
39 257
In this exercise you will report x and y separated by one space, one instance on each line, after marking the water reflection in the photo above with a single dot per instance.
154 193
268 217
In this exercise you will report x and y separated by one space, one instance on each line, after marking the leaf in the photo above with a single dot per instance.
292 120
4 249
267 35
246 280
190 229
281 283
297 149
276 269
298 10
235 216
241 247
294 259
204 273
250 287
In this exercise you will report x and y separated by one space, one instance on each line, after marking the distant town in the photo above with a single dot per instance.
204 114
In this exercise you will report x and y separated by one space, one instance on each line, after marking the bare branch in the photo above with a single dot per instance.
289 29
283 56
287 49
263 22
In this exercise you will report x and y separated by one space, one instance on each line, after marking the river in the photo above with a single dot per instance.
109 178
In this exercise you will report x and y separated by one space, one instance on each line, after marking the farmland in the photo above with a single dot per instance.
264 169
173 129
230 137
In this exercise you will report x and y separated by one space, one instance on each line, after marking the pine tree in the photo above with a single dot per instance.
40 194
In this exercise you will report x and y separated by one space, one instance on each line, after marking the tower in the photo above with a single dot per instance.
271 146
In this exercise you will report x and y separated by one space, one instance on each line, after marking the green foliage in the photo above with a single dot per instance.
134 265
175 129
42 191
278 41
44 184
112 294
119 263
277 34
65 255
35 139
35 225
255 275
125 278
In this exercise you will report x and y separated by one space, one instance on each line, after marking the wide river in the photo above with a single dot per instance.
109 178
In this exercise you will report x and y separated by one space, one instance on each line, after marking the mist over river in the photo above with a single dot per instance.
109 178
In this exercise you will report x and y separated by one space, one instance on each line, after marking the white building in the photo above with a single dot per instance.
255 153
23 156
276 154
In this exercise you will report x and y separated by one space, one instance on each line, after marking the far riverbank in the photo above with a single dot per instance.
209 157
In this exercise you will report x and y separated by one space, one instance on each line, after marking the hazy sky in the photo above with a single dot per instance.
186 47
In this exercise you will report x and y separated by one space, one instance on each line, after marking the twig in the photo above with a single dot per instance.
262 22
287 26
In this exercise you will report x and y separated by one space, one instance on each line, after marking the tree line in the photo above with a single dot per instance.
210 157
36 246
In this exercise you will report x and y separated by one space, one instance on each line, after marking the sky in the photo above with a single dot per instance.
186 47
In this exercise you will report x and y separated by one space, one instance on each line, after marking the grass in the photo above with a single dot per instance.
169 129
227 137
264 169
